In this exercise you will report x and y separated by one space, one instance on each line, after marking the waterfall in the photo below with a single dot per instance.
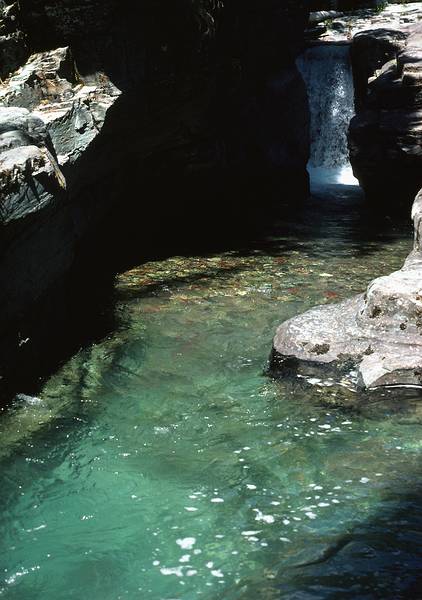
327 72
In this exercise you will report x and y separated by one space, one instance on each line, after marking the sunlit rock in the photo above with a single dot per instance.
379 332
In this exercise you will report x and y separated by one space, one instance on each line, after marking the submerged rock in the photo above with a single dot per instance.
379 333
30 400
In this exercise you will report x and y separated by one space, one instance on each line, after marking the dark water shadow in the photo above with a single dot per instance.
341 216
337 215
380 558
81 310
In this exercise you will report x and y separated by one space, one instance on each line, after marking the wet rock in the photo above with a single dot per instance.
378 333
371 49
389 370
30 400
23 152
21 195
73 111
49 119
361 17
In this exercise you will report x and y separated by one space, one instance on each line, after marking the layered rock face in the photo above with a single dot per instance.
48 119
219 68
385 137
124 120
378 334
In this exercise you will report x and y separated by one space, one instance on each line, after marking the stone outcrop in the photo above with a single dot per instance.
131 117
385 137
215 71
48 118
378 334
318 5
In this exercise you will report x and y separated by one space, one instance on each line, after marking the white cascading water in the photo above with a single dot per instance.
327 72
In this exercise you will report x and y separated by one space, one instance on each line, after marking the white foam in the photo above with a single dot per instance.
217 573
186 543
185 558
265 518
172 571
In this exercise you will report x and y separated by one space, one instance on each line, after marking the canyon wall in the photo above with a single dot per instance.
386 134
134 124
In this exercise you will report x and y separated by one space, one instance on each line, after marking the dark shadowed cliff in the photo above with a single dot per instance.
133 129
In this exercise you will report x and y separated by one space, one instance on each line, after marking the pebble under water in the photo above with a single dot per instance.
162 463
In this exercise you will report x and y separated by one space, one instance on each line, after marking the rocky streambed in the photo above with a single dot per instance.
66 100
161 461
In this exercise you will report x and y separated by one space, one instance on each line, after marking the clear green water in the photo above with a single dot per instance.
163 464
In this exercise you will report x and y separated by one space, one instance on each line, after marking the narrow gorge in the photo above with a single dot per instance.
179 181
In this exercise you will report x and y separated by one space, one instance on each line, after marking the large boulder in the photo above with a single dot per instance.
48 119
371 49
376 335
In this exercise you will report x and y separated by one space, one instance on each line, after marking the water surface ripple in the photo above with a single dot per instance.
163 464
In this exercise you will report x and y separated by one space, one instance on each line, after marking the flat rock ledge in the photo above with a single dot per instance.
375 338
